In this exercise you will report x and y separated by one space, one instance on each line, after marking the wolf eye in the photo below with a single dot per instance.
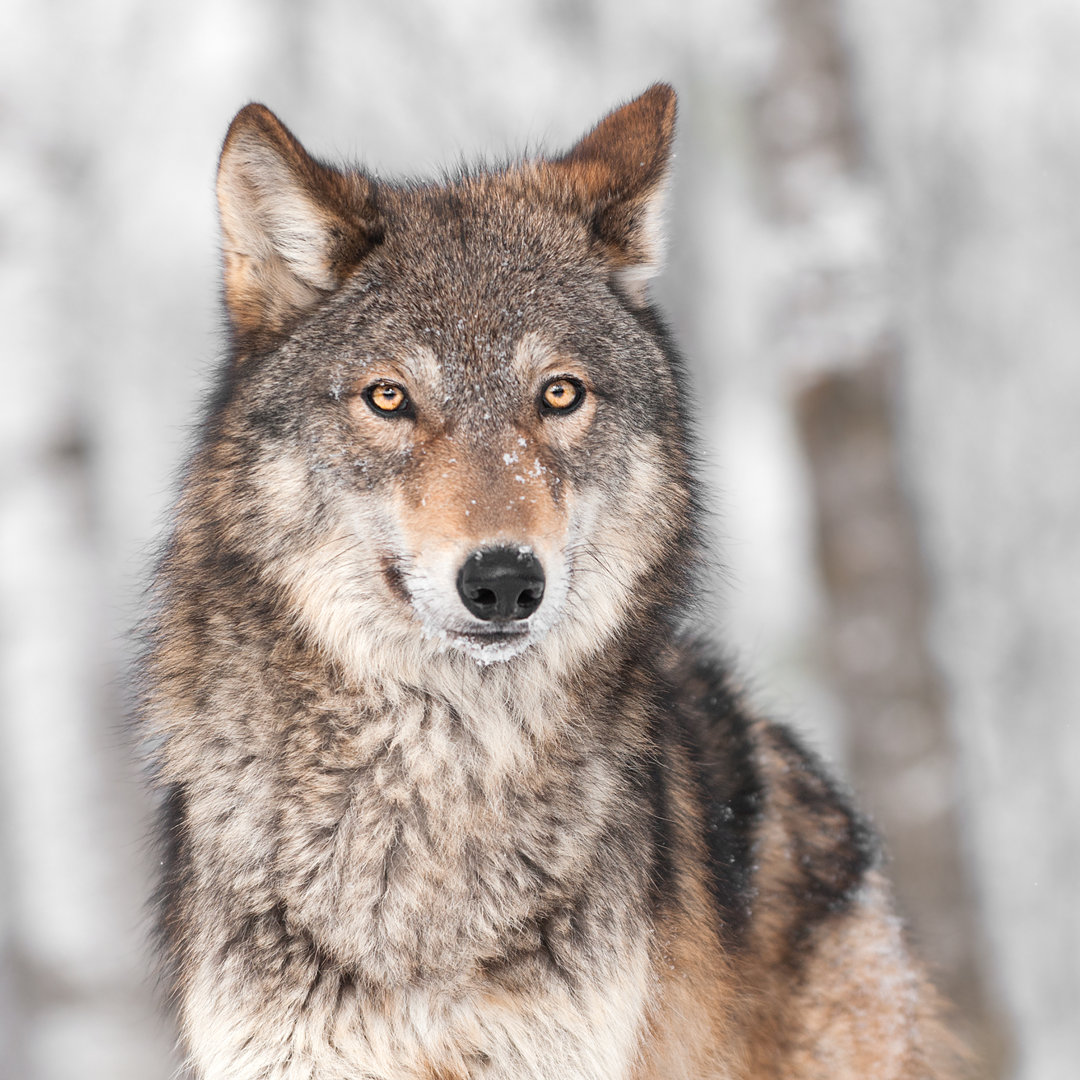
387 397
561 395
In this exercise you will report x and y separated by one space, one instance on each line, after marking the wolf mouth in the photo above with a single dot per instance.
491 637
490 646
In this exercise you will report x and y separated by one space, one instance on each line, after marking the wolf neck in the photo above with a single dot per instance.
433 823
466 816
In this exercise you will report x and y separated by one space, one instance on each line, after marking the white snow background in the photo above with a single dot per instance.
964 238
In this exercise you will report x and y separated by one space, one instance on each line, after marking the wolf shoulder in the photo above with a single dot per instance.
814 959
778 826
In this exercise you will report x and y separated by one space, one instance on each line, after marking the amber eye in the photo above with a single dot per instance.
562 395
387 397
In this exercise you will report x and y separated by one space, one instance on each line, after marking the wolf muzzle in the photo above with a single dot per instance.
501 584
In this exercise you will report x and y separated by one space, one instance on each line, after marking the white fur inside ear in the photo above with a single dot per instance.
650 240
266 215
633 282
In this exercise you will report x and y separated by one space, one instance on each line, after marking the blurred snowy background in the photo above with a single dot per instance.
875 270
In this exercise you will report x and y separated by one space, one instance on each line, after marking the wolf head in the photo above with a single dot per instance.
452 424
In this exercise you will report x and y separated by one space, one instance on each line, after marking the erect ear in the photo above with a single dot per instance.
292 228
617 175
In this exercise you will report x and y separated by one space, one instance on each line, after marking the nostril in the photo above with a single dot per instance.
530 598
502 584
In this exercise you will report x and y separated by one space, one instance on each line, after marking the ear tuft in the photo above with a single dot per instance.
617 175
292 228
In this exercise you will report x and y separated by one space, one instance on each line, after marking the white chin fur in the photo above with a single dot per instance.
495 651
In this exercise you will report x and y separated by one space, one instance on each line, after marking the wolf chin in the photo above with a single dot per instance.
447 793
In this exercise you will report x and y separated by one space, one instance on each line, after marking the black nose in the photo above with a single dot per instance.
501 584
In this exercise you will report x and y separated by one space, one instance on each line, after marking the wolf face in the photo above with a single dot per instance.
466 418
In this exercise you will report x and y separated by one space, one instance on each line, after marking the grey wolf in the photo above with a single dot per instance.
448 792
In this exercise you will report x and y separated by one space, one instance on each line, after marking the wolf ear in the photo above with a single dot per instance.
292 228
617 175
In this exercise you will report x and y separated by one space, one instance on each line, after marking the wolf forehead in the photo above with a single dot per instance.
480 237
484 279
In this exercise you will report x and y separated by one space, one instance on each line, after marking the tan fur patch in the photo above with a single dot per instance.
464 495
863 1008
853 1003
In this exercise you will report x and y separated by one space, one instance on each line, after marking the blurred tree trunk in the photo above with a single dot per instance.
12 1058
833 332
